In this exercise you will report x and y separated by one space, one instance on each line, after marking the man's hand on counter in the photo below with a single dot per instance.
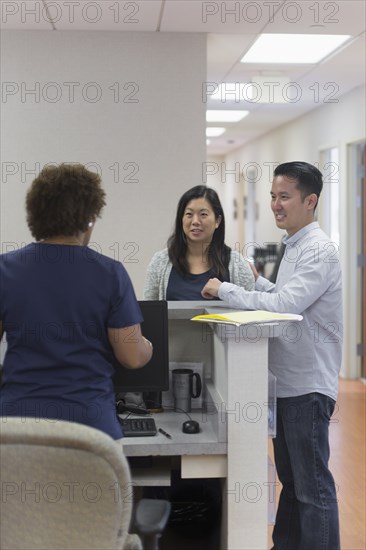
211 289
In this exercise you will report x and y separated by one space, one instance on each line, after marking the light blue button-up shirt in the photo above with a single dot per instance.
307 356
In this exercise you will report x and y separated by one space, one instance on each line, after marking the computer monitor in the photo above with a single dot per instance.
153 378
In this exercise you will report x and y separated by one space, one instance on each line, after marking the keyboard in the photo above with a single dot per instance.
138 427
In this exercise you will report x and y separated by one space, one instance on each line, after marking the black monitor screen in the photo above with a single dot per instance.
154 376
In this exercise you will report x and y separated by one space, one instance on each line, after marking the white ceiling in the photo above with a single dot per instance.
231 28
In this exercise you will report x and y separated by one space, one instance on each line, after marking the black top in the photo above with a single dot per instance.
188 287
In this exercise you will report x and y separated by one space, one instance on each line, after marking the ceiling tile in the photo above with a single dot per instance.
320 17
105 15
217 17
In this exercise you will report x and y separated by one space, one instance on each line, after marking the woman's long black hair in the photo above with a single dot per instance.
218 252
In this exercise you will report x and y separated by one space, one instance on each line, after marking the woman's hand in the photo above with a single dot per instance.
211 289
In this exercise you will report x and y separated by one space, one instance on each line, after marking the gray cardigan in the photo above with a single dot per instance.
159 269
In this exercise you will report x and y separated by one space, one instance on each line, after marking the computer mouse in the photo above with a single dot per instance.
191 427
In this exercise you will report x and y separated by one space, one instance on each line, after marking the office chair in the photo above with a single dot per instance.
67 486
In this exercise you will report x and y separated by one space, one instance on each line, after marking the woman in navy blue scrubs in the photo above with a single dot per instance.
68 312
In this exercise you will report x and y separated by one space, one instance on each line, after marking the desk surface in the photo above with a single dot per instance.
204 442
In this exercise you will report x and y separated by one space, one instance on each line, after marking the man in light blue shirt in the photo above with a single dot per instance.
306 359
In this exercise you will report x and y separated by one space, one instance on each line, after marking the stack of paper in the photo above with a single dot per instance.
246 317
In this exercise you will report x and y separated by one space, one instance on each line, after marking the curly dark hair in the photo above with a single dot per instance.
62 200
218 252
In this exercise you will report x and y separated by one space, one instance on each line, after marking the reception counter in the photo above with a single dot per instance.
233 440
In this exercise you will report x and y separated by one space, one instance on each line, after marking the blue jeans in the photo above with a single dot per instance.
307 515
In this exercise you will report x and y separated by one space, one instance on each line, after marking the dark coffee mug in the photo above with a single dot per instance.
183 390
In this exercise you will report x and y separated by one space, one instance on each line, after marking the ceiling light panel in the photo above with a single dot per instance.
293 48
214 131
225 116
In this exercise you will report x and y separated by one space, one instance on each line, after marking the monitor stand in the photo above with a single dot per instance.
153 401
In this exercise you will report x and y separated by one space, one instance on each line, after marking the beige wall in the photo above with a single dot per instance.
148 141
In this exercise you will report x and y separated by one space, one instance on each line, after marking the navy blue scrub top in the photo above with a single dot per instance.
56 305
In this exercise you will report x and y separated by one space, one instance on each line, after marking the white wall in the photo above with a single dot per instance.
155 125
229 189
329 125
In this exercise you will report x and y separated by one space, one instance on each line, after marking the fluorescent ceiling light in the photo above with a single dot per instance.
293 48
225 116
214 132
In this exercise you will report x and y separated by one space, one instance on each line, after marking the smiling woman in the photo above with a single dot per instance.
200 222
196 252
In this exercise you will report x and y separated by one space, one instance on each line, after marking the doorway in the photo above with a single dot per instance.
357 164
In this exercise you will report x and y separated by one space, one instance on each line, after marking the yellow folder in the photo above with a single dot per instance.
246 317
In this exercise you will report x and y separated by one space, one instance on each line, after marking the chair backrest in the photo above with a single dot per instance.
63 485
